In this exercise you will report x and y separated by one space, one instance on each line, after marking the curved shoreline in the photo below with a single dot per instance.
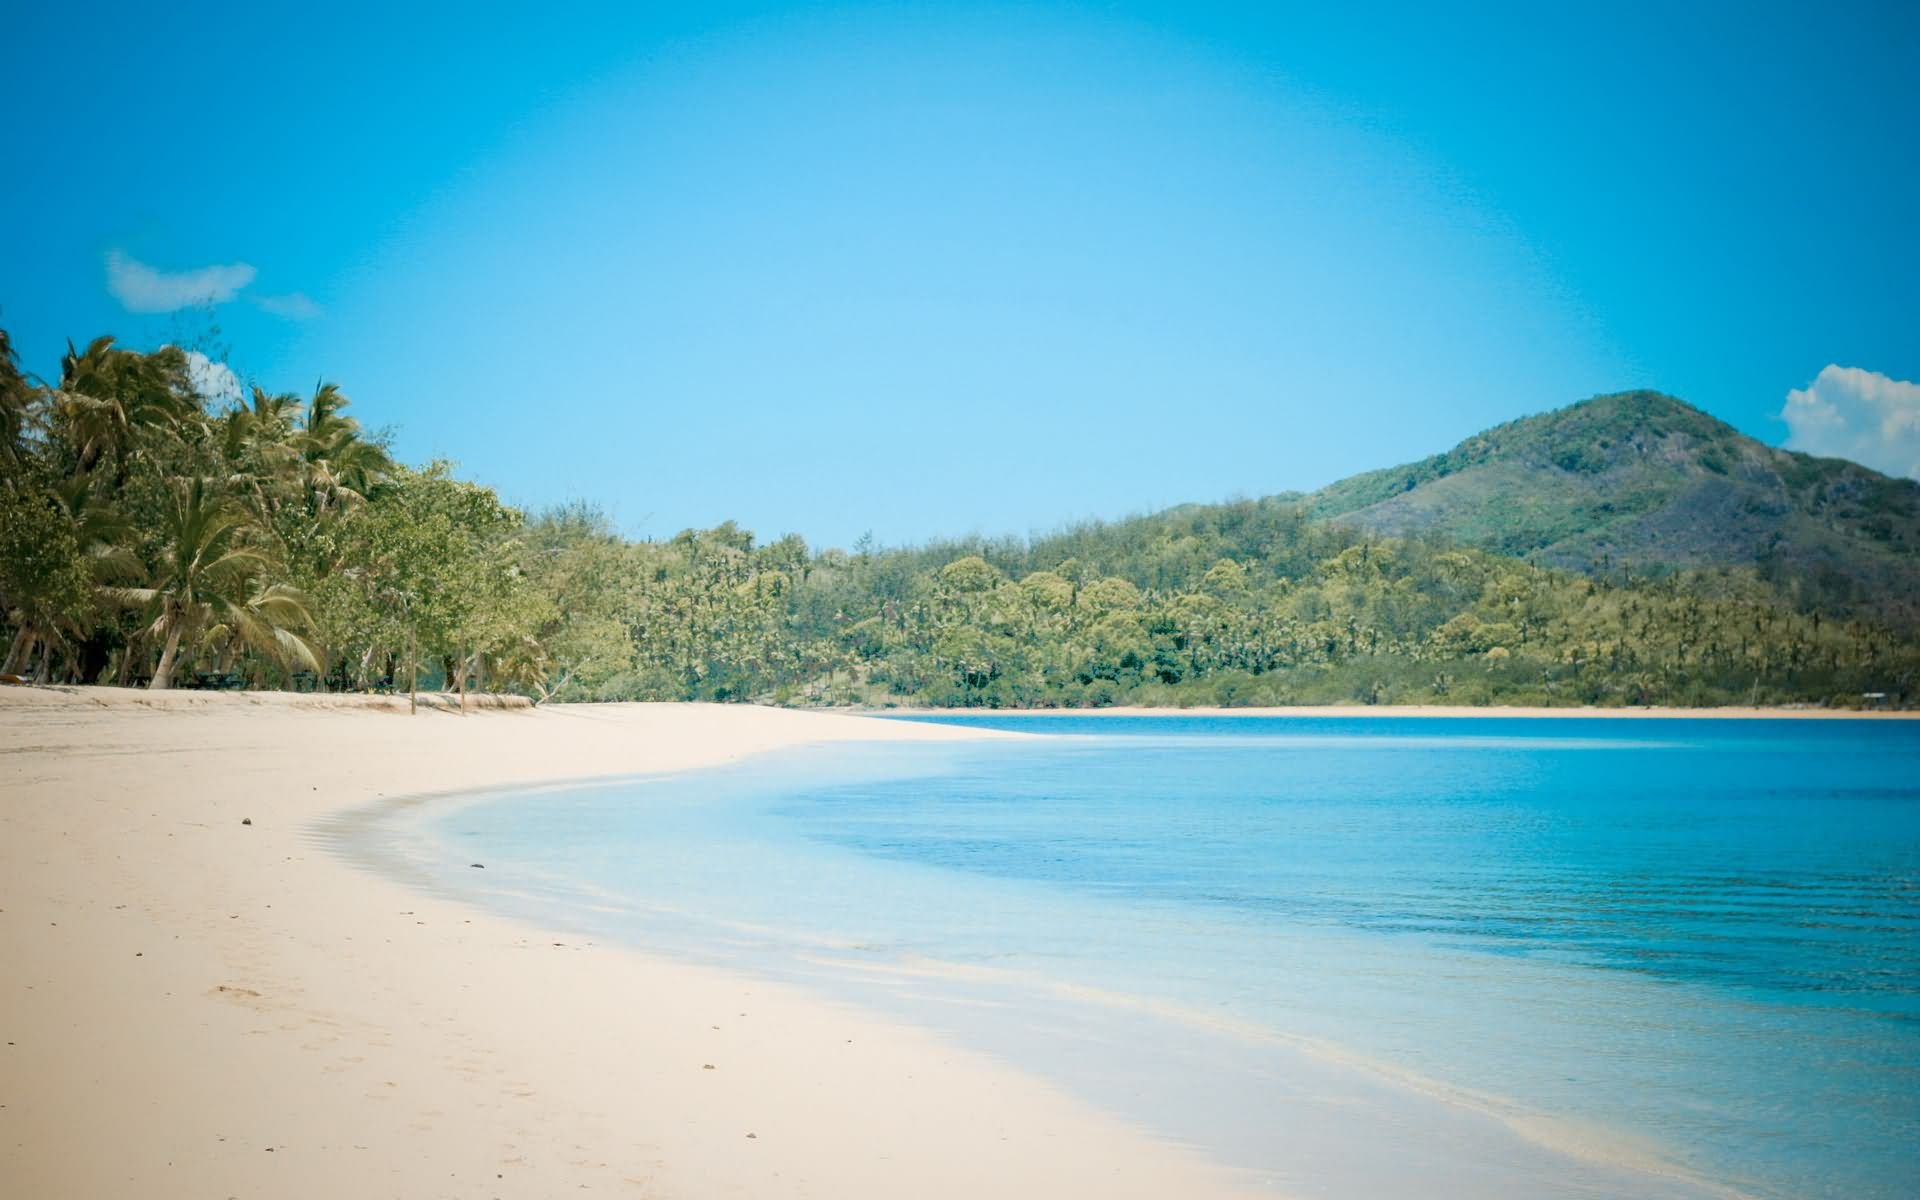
1327 1083
197 1003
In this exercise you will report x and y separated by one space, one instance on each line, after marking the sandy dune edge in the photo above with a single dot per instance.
195 1007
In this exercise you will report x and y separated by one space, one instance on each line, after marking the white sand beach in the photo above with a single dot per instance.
193 1005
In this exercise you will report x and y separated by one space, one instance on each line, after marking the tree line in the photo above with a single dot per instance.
151 535
154 536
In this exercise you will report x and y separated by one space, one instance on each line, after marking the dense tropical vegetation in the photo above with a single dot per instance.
153 535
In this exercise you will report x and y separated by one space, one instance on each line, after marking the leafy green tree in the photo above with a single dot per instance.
434 560
572 557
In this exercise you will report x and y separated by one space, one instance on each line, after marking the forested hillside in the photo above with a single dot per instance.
1643 483
151 536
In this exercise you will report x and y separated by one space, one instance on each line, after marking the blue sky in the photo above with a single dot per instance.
929 270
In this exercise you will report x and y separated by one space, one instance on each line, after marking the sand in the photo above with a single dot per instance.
195 1006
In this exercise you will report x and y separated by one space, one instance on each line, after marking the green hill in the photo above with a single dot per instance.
1641 483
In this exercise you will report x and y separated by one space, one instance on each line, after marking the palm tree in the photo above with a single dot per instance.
211 583
341 466
16 404
258 442
41 582
80 524
105 395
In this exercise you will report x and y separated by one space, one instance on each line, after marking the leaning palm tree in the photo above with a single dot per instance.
210 583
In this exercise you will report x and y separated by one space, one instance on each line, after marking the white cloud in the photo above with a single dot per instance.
1862 415
213 380
294 306
143 289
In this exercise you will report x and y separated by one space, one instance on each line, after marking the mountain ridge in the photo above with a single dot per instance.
1642 483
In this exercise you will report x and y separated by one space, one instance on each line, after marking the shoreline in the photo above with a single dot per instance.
1732 713
1192 1075
201 1000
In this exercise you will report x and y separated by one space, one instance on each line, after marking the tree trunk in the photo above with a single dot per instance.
463 687
413 675
163 674
18 651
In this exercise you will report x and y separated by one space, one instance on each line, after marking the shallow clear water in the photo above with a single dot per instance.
1579 957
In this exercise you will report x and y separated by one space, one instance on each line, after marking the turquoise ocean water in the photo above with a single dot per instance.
1379 956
